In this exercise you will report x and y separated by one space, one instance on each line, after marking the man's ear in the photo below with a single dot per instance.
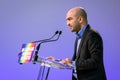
80 19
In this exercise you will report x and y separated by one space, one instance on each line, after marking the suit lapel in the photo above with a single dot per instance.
75 48
82 40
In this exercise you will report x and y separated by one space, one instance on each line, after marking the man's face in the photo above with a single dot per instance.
73 21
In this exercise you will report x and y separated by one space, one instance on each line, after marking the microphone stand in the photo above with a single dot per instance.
49 38
42 41
47 73
40 72
36 54
46 40
43 73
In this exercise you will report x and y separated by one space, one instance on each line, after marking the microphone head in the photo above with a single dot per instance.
60 32
56 32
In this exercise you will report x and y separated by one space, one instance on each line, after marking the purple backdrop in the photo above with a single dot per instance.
23 21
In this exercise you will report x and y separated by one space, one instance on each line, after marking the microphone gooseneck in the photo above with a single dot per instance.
45 41
48 38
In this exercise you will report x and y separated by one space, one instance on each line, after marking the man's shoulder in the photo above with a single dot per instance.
92 32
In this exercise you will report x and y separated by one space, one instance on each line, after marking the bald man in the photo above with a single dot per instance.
88 48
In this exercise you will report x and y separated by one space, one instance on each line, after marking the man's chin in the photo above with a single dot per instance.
72 30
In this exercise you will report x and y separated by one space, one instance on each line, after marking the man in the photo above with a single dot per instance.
88 50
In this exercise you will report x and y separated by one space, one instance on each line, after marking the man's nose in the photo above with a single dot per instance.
68 24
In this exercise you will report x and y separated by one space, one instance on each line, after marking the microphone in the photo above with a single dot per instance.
35 58
50 40
60 32
47 39
44 41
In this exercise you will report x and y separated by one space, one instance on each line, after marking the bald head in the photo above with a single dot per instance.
76 18
78 11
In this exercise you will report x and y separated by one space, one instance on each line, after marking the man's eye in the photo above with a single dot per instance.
69 19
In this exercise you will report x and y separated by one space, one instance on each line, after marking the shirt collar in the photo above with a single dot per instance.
80 33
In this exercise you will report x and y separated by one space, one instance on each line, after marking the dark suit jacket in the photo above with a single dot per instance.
89 59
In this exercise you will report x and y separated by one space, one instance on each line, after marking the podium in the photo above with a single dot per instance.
45 63
53 64
26 55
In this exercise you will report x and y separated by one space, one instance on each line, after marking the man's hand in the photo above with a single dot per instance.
66 61
51 58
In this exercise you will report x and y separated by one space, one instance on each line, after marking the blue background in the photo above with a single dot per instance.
23 21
